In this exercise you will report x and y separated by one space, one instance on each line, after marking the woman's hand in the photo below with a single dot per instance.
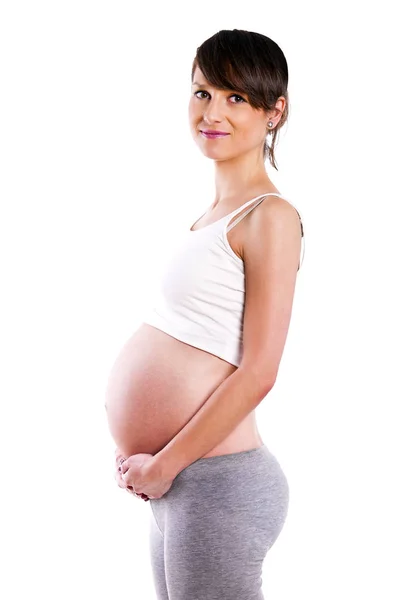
119 459
142 473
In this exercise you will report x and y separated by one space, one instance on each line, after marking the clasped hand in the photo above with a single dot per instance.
143 475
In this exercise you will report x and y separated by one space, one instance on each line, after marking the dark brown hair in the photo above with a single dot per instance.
249 63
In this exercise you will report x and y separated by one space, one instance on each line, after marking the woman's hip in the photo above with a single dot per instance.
248 489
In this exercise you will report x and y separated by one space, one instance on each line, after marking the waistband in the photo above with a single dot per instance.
226 461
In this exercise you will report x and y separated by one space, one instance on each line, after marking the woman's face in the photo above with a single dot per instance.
227 111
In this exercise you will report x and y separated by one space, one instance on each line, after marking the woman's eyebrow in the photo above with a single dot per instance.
208 85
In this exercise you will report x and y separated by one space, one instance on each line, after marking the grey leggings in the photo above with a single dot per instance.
209 534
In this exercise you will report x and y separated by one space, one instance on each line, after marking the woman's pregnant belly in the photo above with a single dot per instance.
156 386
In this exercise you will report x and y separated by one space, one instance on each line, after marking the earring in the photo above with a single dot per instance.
270 124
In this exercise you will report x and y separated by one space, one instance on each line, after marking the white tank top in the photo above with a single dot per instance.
201 295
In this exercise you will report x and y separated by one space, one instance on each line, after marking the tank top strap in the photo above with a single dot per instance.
253 203
237 210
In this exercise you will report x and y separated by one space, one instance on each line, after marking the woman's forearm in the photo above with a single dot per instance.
222 412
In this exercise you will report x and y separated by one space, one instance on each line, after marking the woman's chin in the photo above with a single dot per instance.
213 154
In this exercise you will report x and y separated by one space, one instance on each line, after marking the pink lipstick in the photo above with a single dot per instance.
213 134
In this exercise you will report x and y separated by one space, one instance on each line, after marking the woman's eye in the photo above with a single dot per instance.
237 96
241 100
199 92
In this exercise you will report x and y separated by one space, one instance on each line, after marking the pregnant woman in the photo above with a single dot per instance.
182 394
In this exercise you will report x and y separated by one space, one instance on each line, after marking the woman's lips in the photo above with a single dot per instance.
213 135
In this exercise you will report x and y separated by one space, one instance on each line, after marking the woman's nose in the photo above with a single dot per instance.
213 113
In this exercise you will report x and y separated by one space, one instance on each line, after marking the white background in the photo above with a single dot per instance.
98 170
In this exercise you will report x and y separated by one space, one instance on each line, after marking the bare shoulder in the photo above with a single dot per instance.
273 208
274 218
